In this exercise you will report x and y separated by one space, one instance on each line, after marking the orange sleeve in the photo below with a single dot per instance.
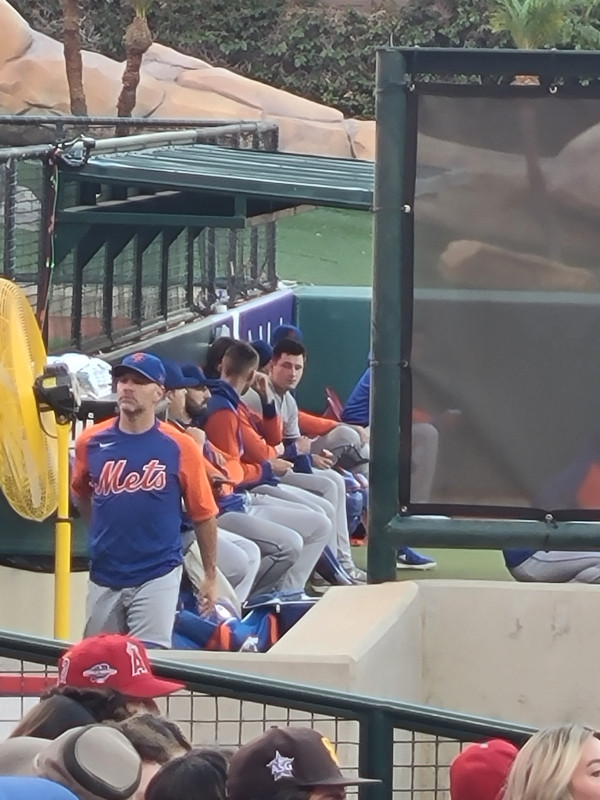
256 449
311 425
195 486
271 428
418 415
222 431
80 479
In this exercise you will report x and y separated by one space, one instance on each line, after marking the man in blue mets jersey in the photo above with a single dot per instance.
130 477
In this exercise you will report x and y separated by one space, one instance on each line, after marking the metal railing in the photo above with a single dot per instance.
150 283
407 746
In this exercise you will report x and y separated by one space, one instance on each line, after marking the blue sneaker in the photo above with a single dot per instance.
410 559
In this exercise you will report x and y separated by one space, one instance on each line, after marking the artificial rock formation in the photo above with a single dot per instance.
33 80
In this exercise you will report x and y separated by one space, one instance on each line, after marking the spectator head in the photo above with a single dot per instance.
198 393
17 754
52 716
557 763
265 352
116 663
287 364
214 356
480 771
95 762
239 364
199 775
285 759
156 740
33 789
286 331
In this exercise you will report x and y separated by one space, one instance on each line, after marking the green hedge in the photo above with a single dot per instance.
321 53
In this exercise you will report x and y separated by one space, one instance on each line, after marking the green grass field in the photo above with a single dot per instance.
333 247
483 565
327 246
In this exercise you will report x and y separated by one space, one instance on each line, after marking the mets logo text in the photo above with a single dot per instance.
112 480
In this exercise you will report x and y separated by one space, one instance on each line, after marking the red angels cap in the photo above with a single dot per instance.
481 770
112 661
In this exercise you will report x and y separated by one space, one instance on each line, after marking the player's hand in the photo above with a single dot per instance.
260 384
303 445
197 435
280 466
216 481
207 597
323 460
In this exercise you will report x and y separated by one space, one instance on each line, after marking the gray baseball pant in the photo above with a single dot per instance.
559 567
329 484
239 559
146 612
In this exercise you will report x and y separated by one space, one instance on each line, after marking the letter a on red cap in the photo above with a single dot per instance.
138 664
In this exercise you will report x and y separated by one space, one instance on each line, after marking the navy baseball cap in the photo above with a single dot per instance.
264 350
175 377
145 364
196 375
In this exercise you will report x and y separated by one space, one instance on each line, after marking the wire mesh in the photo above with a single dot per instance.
21 193
420 761
113 289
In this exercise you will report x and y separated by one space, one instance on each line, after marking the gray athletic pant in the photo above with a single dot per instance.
559 567
279 544
329 484
313 529
425 438
344 441
305 499
239 559
146 612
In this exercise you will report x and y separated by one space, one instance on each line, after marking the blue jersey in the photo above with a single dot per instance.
136 483
356 410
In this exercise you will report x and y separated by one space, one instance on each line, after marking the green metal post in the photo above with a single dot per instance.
385 315
376 755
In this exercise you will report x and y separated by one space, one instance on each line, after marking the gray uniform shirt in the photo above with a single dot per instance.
286 406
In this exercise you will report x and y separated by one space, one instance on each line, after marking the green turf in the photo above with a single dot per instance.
485 565
327 246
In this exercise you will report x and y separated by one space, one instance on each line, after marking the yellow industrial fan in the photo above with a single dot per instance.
34 434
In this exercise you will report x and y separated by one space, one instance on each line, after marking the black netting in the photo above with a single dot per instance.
505 373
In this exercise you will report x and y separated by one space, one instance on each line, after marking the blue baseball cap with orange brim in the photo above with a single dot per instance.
145 364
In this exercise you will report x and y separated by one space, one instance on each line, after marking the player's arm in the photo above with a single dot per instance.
206 536
269 421
80 480
202 510
311 425
221 429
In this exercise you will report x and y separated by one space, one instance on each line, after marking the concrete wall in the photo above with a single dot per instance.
27 602
518 652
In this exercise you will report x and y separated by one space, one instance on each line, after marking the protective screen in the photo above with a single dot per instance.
503 385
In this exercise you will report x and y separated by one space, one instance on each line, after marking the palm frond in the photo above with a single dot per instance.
531 23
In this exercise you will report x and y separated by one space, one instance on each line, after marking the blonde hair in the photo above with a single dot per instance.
545 765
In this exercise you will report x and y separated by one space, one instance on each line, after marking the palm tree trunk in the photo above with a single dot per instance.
72 50
137 40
